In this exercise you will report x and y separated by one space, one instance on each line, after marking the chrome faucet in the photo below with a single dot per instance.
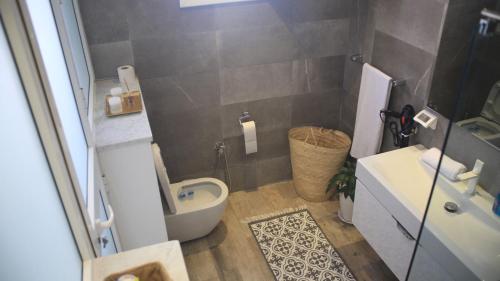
472 177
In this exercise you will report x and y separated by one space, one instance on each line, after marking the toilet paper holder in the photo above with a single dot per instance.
244 117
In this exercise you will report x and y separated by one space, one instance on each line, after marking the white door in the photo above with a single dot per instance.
54 26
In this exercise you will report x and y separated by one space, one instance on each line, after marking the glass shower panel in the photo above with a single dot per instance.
460 236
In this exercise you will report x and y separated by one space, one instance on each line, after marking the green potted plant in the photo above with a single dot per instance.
344 182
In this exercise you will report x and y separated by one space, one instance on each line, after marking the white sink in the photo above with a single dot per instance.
402 184
473 233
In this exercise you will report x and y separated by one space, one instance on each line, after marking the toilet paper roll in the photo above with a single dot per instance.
251 147
250 136
116 91
115 105
126 75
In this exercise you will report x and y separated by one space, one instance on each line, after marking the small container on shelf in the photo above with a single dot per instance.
131 102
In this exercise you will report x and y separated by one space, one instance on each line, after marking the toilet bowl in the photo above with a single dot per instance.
195 206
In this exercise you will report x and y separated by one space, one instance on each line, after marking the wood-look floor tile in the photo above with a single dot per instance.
230 252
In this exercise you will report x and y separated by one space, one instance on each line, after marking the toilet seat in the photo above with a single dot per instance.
161 171
209 192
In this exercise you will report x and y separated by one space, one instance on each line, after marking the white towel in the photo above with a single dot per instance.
373 96
449 167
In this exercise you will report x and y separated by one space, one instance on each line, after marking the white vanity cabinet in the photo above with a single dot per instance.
125 155
392 190
383 232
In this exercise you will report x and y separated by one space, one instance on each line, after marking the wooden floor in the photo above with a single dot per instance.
231 253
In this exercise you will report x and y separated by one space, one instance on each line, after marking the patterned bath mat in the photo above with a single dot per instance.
295 248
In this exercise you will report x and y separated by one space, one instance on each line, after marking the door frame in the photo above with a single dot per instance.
14 17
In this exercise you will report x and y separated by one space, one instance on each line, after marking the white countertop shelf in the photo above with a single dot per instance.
116 130
169 254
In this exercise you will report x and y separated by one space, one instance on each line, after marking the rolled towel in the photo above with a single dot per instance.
449 167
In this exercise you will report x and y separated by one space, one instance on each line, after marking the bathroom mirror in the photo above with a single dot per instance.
470 37
194 3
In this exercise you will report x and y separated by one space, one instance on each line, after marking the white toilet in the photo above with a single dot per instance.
486 126
196 206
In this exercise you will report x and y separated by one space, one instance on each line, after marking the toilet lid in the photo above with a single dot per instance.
161 172
491 108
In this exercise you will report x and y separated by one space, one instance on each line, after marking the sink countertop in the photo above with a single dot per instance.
471 237
169 254
400 182
121 129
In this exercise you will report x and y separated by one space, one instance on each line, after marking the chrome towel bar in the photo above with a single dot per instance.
358 58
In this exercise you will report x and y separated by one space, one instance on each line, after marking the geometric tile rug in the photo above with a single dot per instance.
296 248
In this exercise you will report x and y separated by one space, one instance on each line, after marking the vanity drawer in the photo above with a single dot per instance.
382 231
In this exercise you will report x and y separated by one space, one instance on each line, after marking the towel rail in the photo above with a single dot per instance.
358 58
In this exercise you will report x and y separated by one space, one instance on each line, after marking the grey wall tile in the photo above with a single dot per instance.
201 124
272 144
151 19
324 74
331 109
195 52
302 11
154 57
348 115
181 93
271 114
245 15
273 170
107 57
262 81
403 61
322 110
104 21
415 22
196 19
322 38
260 45
306 110
180 53
244 176
190 158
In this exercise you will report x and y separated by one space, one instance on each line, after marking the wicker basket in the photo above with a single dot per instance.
316 154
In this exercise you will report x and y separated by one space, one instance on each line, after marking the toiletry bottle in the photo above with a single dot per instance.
496 205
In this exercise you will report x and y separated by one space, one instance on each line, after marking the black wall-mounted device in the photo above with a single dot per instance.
407 127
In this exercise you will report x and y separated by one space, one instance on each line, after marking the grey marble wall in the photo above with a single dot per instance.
200 68
401 38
